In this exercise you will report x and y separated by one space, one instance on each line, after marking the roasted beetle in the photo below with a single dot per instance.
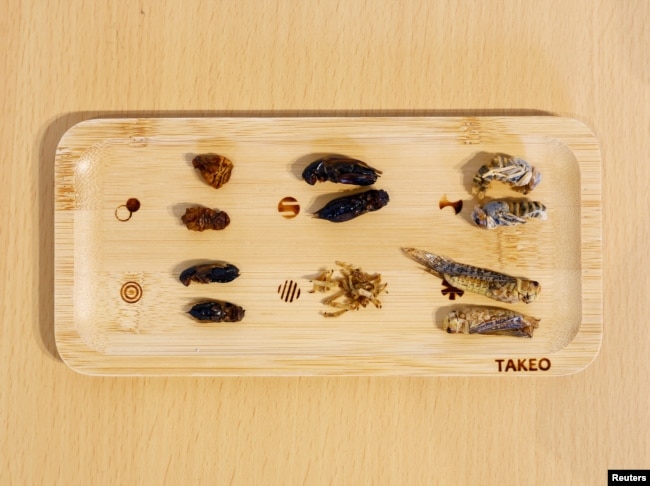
216 311
349 207
220 272
342 170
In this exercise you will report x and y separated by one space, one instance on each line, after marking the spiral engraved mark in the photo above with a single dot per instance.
131 292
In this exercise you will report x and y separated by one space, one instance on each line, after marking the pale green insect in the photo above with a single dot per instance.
495 285
489 320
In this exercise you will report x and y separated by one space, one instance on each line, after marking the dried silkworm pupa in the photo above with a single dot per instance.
341 170
349 207
489 320
507 213
215 169
216 311
518 173
220 272
199 218
495 285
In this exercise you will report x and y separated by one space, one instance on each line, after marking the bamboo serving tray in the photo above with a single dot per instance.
122 185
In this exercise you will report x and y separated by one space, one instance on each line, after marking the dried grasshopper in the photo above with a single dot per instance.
495 285
489 320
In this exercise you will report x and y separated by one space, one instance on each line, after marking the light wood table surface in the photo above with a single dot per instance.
67 61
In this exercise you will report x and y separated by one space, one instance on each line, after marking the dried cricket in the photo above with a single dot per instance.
489 320
356 288
518 173
507 213
220 272
215 169
349 207
216 311
199 218
341 170
495 285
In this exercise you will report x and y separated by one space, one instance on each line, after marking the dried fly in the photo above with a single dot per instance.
517 173
220 272
507 213
342 170
495 285
489 320
349 207
216 311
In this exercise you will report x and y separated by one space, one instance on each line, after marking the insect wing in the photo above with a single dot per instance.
357 178
511 325
454 269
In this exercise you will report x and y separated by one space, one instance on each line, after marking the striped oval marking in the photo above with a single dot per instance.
289 291
288 207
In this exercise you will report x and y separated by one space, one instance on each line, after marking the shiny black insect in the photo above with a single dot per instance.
341 170
209 272
216 311
349 207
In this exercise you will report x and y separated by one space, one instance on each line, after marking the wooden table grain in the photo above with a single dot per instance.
67 61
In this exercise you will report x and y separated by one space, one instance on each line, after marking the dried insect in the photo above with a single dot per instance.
495 285
489 320
215 169
199 218
349 207
356 289
516 172
507 213
341 170
216 311
209 272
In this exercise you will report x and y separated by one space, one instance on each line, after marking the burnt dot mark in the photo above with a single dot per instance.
450 290
131 292
288 207
132 204
289 291
457 205
124 211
